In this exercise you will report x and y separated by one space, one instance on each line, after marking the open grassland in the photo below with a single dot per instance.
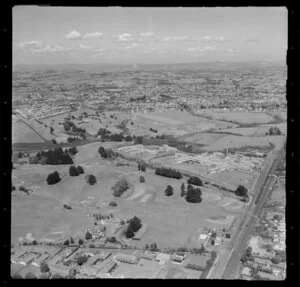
22 133
171 220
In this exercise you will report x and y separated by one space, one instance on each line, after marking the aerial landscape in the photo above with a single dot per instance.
136 169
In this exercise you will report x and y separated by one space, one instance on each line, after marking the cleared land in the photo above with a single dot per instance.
22 133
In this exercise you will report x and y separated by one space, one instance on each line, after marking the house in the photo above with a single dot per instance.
108 268
54 260
127 258
61 269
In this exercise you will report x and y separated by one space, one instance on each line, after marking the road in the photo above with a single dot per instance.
229 262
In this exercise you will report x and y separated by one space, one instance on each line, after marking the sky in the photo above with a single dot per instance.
85 35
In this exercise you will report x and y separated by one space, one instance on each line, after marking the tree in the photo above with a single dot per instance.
214 234
147 246
169 190
44 268
88 236
81 260
128 138
153 247
73 171
73 150
142 179
54 141
80 169
241 190
129 233
71 240
275 260
120 187
182 194
67 242
91 179
212 242
80 242
53 178
193 195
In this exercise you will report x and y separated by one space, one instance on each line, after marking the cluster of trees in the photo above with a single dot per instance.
152 247
99 216
70 126
66 206
81 260
53 178
247 256
273 131
169 190
142 166
56 156
168 172
138 139
153 130
105 153
209 264
113 203
241 191
192 194
22 188
91 179
195 181
72 139
75 171
120 187
107 135
134 225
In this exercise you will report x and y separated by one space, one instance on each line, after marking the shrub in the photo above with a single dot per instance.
91 179
195 181
81 260
73 171
142 179
80 169
44 268
53 178
169 190
113 203
67 242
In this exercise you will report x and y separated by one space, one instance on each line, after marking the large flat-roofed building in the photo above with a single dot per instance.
26 260
127 258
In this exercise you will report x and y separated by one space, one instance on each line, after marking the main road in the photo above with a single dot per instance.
228 265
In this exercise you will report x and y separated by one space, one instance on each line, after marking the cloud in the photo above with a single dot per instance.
196 49
30 44
50 48
85 47
125 37
147 34
74 35
93 35
219 39
233 50
133 45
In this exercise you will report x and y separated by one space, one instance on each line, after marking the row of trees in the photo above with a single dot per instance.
56 156
75 171
70 126
192 194
195 181
120 187
168 172
273 131
134 225
209 264
105 153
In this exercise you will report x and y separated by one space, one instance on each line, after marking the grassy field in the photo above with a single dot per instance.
171 220
22 133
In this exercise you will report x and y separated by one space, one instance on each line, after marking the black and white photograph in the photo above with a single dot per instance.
149 142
